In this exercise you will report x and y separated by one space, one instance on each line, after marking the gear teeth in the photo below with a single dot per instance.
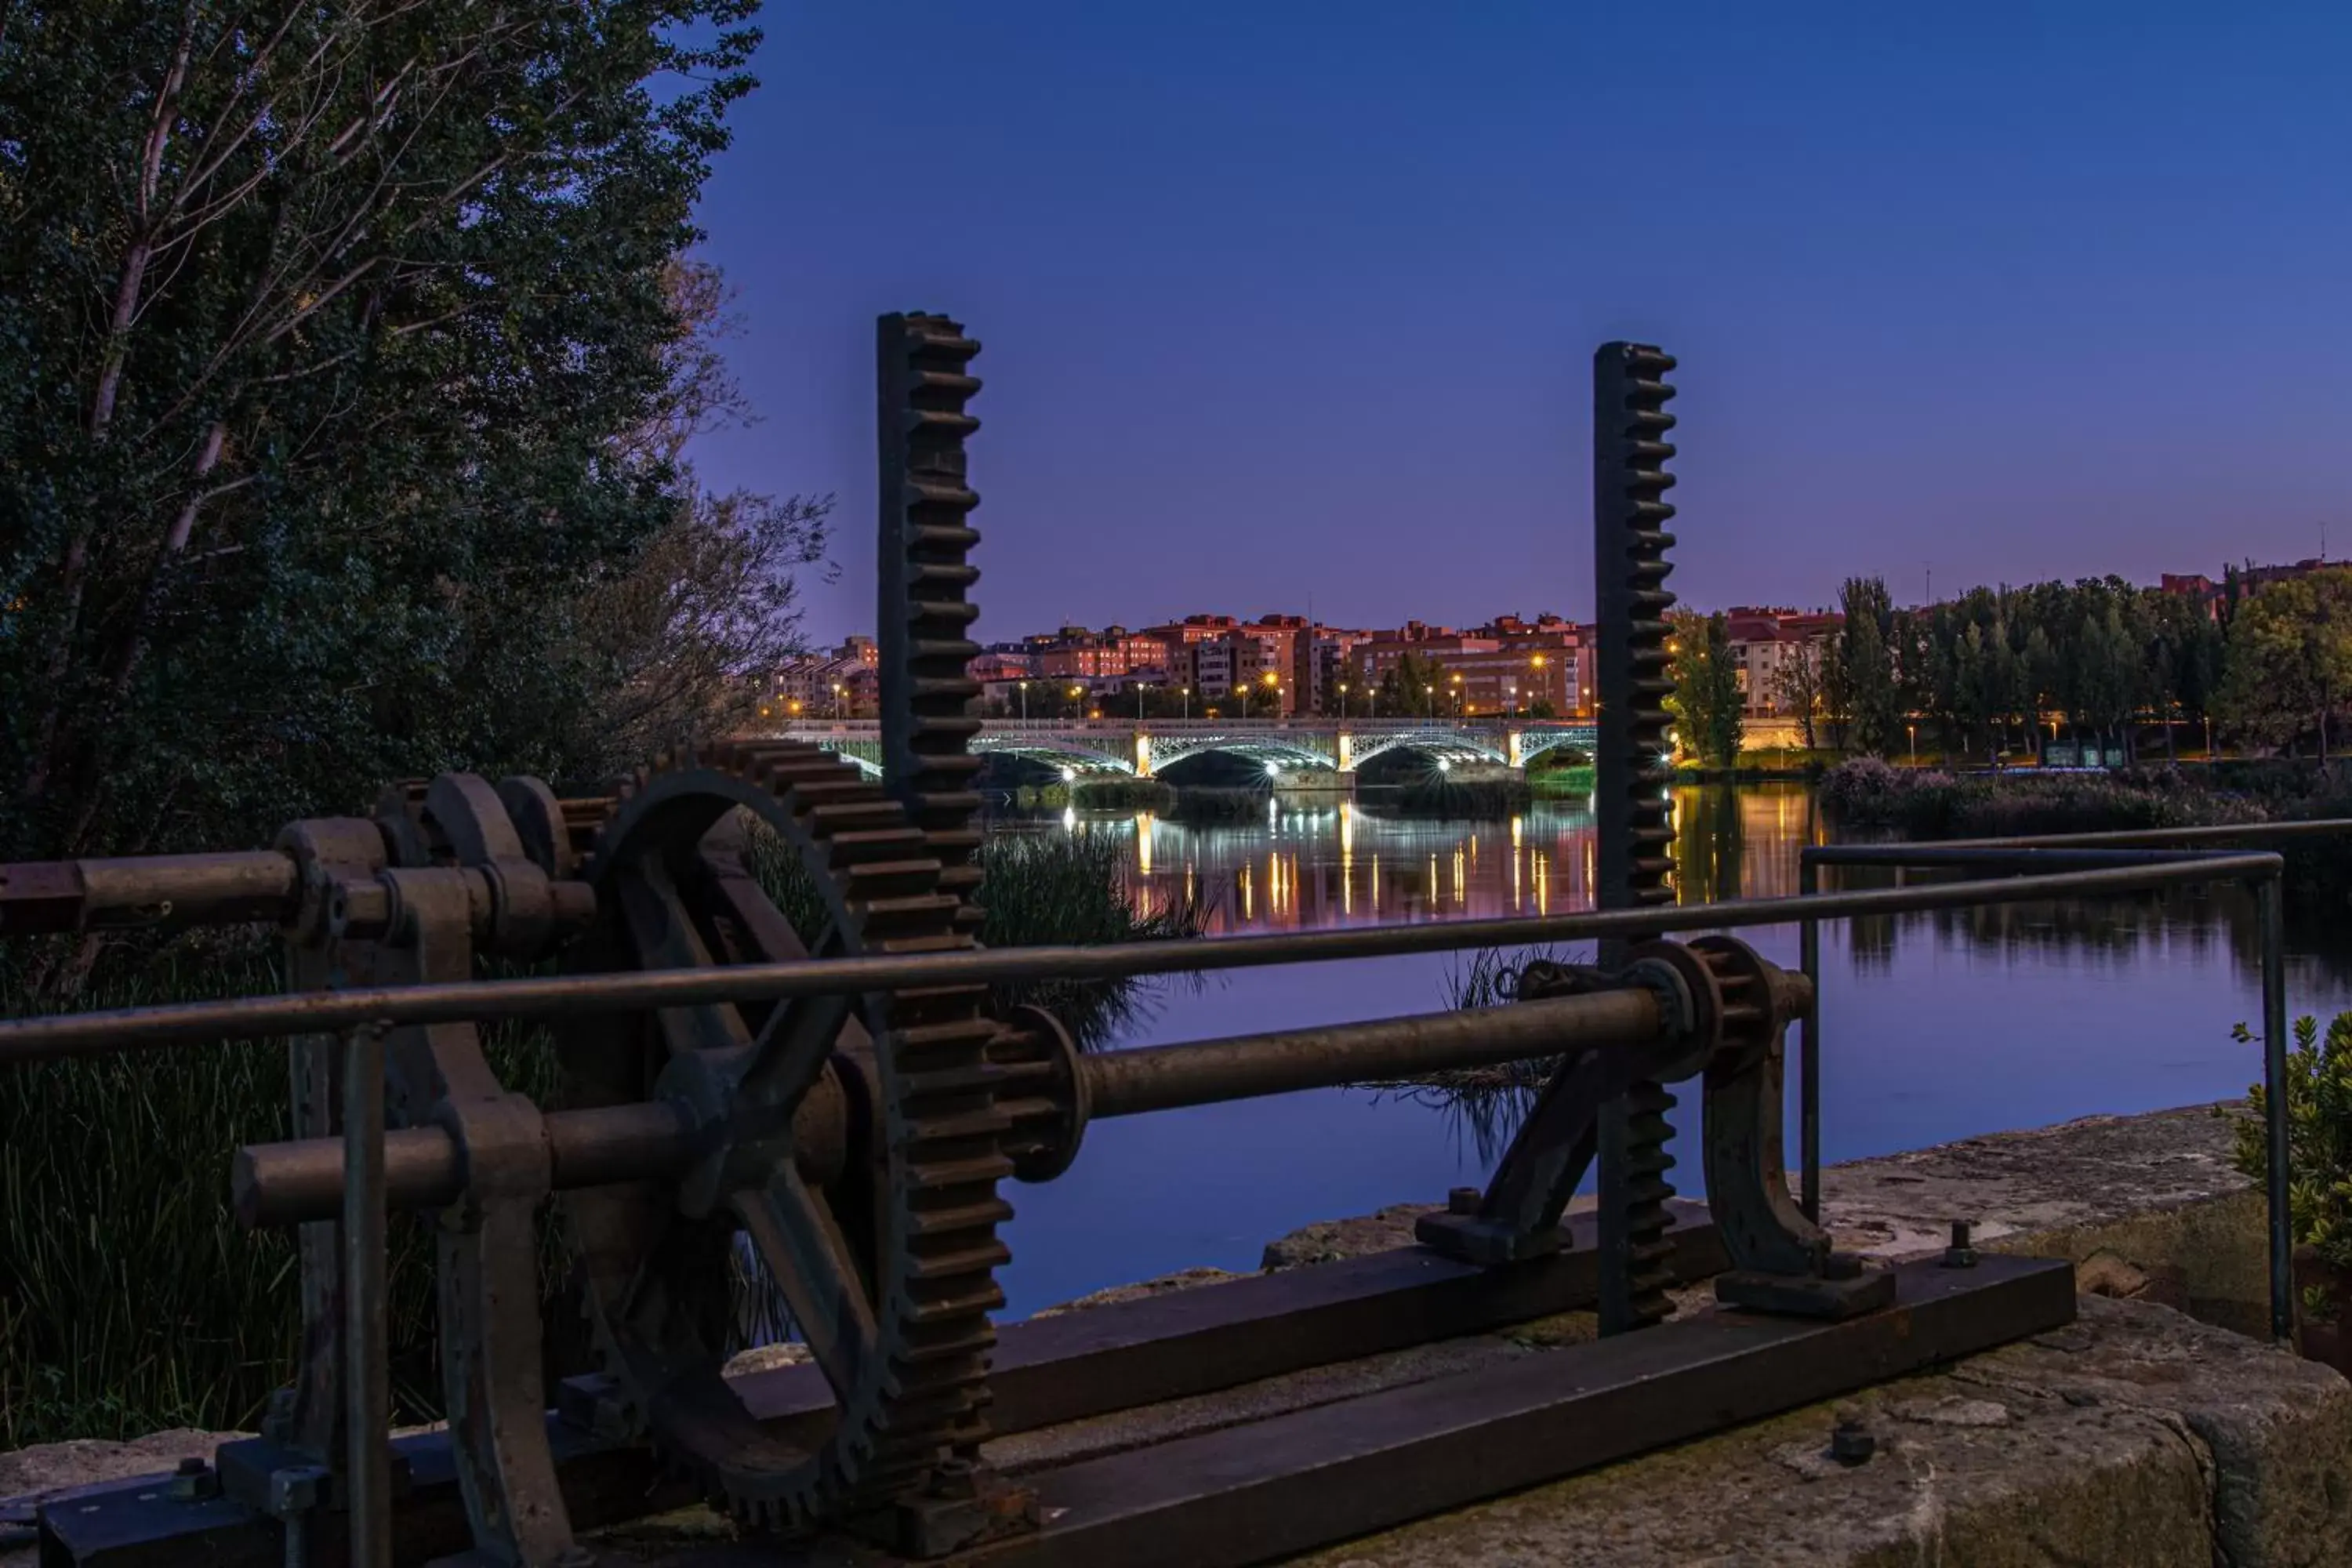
1630 422
926 1396
926 593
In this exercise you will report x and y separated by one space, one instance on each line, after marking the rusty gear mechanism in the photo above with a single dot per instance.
850 1147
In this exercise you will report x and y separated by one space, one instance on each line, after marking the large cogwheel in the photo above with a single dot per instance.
853 1142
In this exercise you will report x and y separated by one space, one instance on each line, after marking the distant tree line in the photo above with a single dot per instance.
2099 663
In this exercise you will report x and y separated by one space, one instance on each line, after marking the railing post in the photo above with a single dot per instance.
2273 891
1809 1061
369 1466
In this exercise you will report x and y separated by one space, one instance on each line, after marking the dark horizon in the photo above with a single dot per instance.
1278 310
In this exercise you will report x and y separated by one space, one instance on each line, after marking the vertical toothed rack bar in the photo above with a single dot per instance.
925 610
1629 553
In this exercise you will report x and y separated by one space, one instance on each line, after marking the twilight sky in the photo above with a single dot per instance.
1282 299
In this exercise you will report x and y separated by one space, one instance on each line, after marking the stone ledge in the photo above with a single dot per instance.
2136 1438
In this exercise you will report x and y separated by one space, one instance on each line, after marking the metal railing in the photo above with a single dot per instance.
2038 859
1112 724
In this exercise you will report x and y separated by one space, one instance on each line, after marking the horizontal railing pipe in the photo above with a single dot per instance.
95 1034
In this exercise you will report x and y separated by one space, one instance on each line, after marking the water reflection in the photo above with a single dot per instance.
1311 864
1936 1025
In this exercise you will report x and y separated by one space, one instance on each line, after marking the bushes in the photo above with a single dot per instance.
1929 803
2319 1136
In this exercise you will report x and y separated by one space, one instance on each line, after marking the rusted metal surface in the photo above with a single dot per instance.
1632 771
287 1184
1269 1489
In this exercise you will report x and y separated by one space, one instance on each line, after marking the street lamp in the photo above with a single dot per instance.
1458 695
1024 701
1186 692
1432 689
1914 728
1343 699
837 701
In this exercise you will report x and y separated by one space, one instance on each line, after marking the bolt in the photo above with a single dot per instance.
1851 1442
1463 1200
193 1482
1960 1255
955 1478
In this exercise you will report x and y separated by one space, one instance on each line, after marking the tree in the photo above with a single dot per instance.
363 436
2289 659
1867 662
1708 702
1837 692
1797 686
1414 685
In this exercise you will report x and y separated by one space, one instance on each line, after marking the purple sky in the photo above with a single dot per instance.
1282 300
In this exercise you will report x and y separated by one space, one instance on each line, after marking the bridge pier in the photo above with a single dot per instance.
1313 780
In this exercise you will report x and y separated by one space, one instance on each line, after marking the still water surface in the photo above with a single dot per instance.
1935 1027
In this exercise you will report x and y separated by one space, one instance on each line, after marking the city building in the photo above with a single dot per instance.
843 684
2250 580
1507 665
1763 641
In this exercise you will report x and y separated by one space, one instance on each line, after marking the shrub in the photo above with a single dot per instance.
2319 1138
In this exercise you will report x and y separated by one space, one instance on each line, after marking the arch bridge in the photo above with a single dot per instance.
1140 748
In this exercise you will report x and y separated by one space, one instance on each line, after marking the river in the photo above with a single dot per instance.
1935 1026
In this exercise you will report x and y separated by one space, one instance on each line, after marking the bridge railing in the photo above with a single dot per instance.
1107 726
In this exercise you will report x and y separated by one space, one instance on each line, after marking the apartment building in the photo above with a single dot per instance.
1764 641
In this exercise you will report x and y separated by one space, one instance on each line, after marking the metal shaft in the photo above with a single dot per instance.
166 890
1204 1072
101 1034
288 1183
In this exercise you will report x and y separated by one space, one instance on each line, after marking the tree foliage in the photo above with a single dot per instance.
1416 685
1872 699
1797 687
345 359
2289 663
1708 702
2100 657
